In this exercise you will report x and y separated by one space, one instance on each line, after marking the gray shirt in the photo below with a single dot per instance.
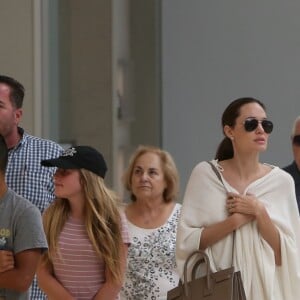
20 229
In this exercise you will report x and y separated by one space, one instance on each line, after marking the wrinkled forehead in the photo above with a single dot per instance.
297 128
4 90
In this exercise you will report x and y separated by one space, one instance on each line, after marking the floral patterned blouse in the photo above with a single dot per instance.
151 265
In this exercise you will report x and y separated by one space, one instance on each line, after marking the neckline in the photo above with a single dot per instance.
226 183
175 208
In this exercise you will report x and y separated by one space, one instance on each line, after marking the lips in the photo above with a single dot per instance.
144 187
260 140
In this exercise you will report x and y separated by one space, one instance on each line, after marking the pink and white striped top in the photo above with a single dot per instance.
77 267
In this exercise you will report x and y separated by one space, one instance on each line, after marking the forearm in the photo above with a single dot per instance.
216 232
213 233
20 277
15 280
50 286
108 291
249 205
269 233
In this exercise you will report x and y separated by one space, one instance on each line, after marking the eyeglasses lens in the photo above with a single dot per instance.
251 124
267 126
296 140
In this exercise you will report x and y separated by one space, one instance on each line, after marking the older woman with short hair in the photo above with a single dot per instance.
152 180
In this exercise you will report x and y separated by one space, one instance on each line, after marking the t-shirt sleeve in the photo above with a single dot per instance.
29 232
124 229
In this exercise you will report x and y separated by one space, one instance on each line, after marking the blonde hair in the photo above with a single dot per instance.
102 222
168 167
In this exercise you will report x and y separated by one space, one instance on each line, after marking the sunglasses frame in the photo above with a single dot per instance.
250 124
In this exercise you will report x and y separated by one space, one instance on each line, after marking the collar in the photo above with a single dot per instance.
295 167
23 135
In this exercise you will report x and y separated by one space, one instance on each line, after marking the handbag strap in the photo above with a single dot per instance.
203 257
216 171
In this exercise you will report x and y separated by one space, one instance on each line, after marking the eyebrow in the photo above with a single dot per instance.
264 118
151 168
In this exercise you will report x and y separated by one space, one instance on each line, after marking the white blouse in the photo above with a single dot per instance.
151 264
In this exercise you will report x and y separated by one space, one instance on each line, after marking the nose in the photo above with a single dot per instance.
144 176
260 127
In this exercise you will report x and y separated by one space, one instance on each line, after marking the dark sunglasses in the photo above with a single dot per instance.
251 124
296 140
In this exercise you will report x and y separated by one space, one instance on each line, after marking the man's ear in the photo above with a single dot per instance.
18 115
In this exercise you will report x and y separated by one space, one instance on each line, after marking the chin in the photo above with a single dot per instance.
58 194
262 148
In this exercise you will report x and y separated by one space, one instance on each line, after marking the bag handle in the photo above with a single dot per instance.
220 178
206 260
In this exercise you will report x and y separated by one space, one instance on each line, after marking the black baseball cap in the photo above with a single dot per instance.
79 157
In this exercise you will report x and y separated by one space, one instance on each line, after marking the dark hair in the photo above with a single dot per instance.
3 155
230 114
17 90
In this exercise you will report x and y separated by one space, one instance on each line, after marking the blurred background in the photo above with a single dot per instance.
114 74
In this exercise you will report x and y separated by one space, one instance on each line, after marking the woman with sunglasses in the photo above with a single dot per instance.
238 193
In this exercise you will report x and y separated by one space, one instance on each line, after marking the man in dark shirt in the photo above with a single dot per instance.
294 167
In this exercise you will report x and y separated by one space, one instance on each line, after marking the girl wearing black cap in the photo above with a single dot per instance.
87 236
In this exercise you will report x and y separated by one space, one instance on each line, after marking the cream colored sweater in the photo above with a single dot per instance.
204 204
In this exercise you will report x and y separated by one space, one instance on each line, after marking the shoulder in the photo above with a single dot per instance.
288 167
42 143
280 176
17 199
176 212
122 215
292 169
21 205
38 149
205 170
203 166
177 208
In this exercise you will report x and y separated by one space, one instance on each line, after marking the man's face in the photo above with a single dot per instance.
9 115
296 147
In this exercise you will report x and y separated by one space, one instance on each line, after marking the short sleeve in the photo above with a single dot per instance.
29 232
124 229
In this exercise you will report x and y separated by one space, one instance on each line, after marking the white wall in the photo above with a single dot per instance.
216 51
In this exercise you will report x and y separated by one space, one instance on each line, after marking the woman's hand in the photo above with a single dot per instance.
244 204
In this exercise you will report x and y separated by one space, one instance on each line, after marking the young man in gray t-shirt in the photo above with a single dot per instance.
22 238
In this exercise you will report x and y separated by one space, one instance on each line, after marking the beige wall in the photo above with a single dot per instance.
17 50
86 75
68 54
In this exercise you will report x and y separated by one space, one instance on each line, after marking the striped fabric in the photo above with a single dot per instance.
76 266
